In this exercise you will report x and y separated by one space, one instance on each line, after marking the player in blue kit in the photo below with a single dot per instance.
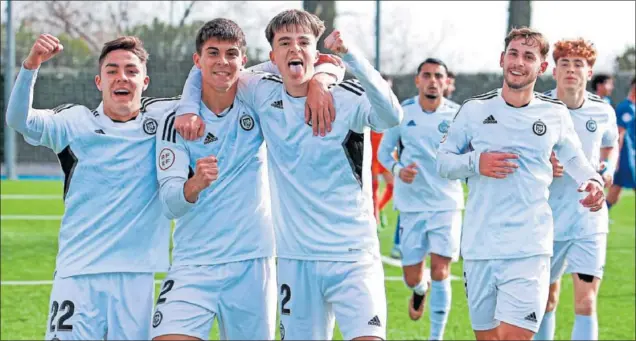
430 206
625 176
501 143
114 235
580 236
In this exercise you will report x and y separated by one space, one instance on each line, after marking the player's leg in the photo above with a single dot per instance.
304 314
586 261
247 309
356 292
130 305
481 295
414 250
396 252
557 268
388 190
444 230
76 309
187 303
522 294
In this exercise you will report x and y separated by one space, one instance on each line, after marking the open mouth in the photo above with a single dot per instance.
516 73
221 73
121 92
295 63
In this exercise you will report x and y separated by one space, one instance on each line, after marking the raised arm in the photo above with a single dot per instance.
384 108
39 127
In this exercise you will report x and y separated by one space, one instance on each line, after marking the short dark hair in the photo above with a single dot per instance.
223 30
128 43
451 74
598 79
432 61
292 18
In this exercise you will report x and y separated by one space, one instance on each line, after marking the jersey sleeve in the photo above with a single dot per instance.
569 151
455 159
51 128
388 143
378 106
173 168
610 136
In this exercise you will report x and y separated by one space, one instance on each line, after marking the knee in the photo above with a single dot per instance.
585 304
439 272
413 278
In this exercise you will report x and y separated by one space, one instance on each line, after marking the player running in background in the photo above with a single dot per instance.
501 142
580 236
223 258
603 86
450 87
377 170
430 206
625 176
114 235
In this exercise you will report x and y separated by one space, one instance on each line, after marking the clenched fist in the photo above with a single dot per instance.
205 172
44 48
335 42
408 173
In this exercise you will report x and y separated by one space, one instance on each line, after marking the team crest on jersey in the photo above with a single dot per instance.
156 319
591 125
443 126
166 158
150 126
247 122
539 128
627 117
282 331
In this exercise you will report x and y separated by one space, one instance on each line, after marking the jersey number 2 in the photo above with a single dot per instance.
286 291
70 309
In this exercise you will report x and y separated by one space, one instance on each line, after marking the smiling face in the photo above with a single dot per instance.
121 80
294 53
220 62
522 63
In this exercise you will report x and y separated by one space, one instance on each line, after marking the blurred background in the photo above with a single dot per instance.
394 35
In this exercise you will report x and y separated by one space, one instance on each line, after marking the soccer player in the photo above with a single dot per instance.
223 258
501 142
378 170
450 87
430 206
625 176
580 236
603 86
114 235
329 263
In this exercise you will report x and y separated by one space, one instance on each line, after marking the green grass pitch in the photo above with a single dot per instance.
28 250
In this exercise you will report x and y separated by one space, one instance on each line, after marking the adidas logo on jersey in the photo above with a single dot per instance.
411 123
531 317
99 131
278 104
375 321
490 120
209 138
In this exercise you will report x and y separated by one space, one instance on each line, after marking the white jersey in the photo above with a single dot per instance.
510 218
321 198
595 124
417 139
231 220
113 220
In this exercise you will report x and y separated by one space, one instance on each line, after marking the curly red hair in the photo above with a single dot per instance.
575 48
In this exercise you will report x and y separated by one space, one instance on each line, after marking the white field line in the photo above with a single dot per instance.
30 197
